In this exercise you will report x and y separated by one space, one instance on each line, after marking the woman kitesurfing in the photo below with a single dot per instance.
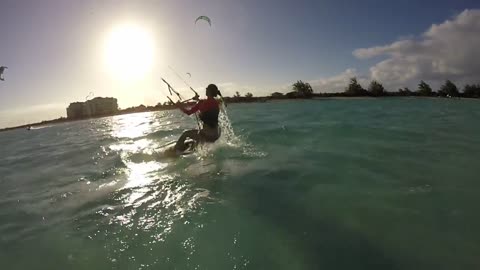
207 119
209 109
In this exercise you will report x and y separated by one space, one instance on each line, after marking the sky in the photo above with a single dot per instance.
57 51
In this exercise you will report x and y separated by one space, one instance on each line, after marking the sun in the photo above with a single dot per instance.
129 52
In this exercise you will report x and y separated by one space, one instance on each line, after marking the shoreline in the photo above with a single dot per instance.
229 101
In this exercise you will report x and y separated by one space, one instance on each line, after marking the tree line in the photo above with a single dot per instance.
302 89
376 89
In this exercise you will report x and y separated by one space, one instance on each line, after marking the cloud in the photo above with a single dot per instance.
445 51
337 83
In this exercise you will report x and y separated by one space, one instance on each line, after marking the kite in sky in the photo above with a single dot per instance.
2 69
205 18
90 95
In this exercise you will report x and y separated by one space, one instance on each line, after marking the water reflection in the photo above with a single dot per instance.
141 174
155 194
132 125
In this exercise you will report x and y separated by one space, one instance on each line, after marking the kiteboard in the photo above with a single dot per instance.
170 151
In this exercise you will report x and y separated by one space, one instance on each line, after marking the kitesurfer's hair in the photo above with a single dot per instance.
212 90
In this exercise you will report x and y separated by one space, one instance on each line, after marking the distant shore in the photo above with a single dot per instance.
228 100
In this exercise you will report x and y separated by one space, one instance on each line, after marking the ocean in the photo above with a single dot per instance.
388 183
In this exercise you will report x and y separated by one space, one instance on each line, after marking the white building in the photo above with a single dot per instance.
95 107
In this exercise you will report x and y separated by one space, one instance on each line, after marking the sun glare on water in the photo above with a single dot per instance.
129 52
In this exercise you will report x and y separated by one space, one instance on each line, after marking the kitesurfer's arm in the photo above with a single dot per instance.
194 109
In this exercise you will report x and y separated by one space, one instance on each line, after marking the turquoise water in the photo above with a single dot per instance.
326 184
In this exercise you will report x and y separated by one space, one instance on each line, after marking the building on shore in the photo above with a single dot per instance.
75 110
92 108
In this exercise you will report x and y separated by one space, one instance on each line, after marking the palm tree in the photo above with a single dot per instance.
471 90
449 89
354 88
424 89
303 89
376 88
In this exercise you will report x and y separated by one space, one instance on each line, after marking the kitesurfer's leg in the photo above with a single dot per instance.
192 134
209 134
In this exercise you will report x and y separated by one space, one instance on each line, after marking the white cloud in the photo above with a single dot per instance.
337 83
445 51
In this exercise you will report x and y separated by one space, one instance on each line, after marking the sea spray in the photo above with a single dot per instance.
228 135
228 138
